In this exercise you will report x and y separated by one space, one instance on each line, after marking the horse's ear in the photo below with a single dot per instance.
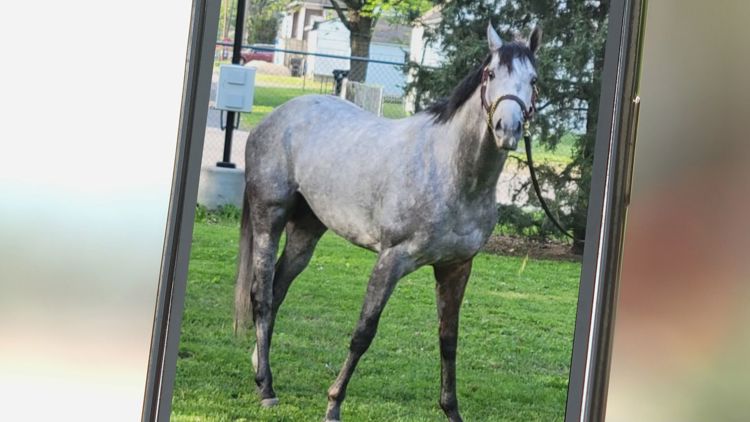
535 40
493 39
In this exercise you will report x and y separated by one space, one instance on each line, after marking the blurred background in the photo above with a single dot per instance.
88 128
681 338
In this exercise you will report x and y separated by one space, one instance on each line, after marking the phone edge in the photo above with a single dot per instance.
170 299
589 369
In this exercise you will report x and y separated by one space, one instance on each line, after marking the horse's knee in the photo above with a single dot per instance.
335 394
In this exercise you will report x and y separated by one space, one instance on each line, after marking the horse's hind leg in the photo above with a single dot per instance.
268 220
450 286
302 234
391 266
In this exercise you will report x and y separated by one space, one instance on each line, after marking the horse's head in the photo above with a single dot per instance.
508 86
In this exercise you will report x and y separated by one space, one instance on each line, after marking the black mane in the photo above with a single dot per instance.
444 109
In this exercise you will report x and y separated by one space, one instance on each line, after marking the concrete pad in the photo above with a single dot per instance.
220 186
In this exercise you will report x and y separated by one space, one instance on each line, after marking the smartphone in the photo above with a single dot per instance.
363 166
284 195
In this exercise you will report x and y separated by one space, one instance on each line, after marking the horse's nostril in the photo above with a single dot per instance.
499 125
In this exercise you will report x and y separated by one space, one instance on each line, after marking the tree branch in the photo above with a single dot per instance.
353 4
342 15
543 106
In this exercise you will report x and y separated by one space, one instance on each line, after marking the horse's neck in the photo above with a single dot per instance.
474 152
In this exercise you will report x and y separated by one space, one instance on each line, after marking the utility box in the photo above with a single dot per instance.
236 88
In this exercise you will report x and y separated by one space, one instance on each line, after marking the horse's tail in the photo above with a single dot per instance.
243 306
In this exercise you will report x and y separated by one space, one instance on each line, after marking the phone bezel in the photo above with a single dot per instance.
204 22
610 181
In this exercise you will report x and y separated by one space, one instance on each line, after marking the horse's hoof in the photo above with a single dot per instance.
269 402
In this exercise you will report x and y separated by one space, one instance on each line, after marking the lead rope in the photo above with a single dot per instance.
538 190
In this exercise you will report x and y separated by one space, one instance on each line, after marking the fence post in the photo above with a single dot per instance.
231 115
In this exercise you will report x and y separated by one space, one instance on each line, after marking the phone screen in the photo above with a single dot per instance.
379 183
680 337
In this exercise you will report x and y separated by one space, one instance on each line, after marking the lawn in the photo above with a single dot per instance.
268 98
513 356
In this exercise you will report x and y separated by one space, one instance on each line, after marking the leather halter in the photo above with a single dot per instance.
528 114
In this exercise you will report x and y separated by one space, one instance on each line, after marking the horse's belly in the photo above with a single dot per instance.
353 223
462 239
457 247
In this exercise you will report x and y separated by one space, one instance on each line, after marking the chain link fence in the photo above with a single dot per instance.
281 75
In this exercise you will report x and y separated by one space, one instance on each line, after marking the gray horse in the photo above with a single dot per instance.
417 191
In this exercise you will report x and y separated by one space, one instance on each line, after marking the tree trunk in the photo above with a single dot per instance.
360 28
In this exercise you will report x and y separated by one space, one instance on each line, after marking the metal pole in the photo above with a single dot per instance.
238 26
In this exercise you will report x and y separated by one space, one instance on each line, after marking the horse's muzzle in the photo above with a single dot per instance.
509 143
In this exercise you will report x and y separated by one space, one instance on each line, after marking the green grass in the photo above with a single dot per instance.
267 98
265 101
513 356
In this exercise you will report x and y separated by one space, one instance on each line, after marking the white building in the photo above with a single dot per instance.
313 27
332 37
422 51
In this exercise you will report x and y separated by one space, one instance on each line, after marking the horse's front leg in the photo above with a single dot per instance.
391 266
450 285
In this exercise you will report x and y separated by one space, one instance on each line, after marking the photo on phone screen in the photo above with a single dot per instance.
365 181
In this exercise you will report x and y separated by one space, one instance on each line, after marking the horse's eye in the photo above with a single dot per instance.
533 81
491 74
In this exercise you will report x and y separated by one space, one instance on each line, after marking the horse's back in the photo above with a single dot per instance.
341 158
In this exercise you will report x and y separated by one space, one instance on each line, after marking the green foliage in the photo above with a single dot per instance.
398 10
262 18
517 222
224 214
569 65
404 11
513 355
262 29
